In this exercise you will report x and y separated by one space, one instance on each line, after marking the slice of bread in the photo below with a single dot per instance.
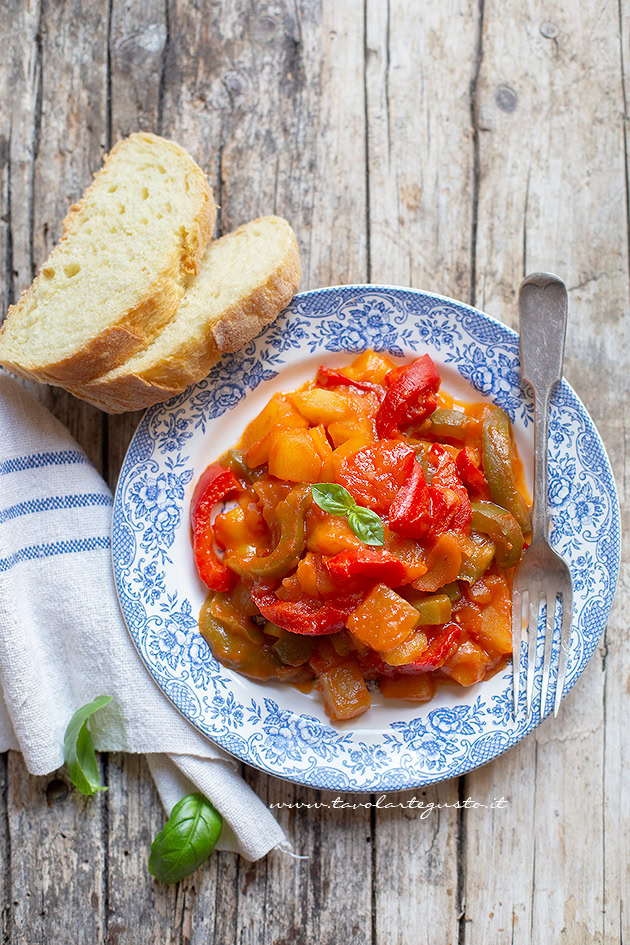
128 251
246 279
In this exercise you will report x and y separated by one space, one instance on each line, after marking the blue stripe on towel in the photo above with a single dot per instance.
54 548
36 460
54 502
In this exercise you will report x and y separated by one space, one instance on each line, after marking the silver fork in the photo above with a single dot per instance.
542 576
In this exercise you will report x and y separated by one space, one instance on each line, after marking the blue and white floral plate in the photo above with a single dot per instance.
396 745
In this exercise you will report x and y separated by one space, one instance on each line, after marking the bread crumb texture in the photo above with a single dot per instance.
246 278
129 249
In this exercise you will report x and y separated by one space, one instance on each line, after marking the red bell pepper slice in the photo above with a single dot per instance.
366 566
421 511
410 512
450 502
470 473
374 474
440 649
410 397
214 484
309 617
328 376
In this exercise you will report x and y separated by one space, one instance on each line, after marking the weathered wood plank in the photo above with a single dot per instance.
551 196
198 910
5 852
616 649
57 118
51 150
71 139
420 143
57 860
281 103
19 72
257 90
421 159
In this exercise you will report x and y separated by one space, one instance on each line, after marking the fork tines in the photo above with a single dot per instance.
526 623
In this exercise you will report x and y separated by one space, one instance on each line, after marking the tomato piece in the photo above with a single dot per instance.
450 502
366 566
410 512
327 377
411 396
374 474
440 649
214 484
311 617
470 473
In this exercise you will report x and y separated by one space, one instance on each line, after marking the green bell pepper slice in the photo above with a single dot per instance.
290 516
234 460
433 610
228 635
498 455
452 423
294 649
452 591
502 528
476 557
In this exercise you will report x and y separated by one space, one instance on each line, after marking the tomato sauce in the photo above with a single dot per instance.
374 528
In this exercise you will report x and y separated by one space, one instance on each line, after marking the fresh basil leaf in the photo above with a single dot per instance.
187 839
366 525
78 750
333 498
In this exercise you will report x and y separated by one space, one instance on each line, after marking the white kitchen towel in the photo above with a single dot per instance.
62 636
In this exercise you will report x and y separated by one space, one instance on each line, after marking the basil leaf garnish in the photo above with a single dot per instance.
187 839
78 750
366 525
332 498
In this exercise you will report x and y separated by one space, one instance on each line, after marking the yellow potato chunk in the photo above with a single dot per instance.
468 664
293 456
494 631
344 691
419 688
342 430
323 447
370 366
277 411
384 620
321 406
407 652
331 536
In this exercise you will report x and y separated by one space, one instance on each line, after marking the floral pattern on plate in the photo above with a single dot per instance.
273 726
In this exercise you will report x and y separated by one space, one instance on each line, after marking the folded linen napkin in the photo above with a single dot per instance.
63 638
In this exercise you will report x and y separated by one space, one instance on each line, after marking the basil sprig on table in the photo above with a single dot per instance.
366 524
187 839
78 749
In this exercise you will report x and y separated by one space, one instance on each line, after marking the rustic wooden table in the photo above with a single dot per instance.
452 146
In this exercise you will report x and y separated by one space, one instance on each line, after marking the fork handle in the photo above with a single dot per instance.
543 327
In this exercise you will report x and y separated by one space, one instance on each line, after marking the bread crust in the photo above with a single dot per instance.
138 326
192 361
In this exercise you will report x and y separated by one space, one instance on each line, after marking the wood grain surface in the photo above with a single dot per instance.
449 146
